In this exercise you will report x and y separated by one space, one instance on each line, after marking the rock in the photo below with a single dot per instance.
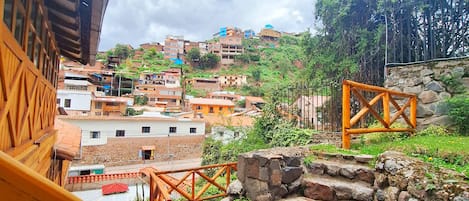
333 170
381 181
252 168
428 97
279 191
363 158
264 174
295 185
366 176
264 197
404 196
235 188
426 72
276 178
290 174
391 193
254 188
413 90
426 79
363 194
440 108
317 168
465 82
457 72
379 195
391 166
347 172
444 120
434 86
262 159
292 161
319 192
395 89
241 167
423 111
343 193
445 95
226 199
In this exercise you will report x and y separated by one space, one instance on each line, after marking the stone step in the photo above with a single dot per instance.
329 188
346 158
296 198
352 172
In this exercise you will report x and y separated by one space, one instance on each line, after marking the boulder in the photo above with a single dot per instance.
391 193
319 192
428 97
290 174
434 86
426 72
413 90
235 188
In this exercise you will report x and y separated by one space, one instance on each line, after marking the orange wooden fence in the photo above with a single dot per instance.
388 98
101 177
161 187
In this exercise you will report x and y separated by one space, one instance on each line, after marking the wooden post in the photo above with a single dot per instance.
413 111
386 110
345 115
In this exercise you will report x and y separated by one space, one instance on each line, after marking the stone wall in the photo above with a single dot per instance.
274 174
124 151
427 81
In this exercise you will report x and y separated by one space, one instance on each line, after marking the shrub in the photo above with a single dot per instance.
434 131
373 138
459 112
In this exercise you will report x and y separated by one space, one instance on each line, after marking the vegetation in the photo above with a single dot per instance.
209 61
140 100
459 112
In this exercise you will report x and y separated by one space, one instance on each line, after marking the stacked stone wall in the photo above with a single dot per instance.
429 81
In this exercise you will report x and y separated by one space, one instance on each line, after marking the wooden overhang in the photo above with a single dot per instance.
77 25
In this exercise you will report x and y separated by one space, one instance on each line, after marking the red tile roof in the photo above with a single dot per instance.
68 139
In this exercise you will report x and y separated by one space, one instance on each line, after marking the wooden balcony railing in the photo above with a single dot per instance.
161 186
387 97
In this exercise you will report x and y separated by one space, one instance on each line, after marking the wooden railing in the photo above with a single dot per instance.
387 97
101 177
161 186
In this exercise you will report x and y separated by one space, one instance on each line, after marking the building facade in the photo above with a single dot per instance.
74 100
33 36
208 106
173 47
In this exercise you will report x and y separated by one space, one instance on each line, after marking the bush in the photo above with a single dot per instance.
373 138
459 112
434 131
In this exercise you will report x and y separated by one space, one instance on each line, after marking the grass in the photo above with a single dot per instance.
441 151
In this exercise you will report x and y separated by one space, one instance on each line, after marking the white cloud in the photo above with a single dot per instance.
135 22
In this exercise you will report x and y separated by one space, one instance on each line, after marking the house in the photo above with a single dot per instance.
268 33
34 34
309 109
208 106
253 102
229 44
232 80
74 100
225 95
109 105
206 84
116 140
158 95
173 47
155 45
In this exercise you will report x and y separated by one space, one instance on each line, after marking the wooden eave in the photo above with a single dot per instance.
76 25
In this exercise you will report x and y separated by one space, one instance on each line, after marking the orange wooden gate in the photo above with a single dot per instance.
161 186
387 96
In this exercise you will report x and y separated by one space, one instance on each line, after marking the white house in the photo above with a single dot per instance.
97 130
74 100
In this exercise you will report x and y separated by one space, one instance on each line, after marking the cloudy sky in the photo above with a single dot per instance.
138 21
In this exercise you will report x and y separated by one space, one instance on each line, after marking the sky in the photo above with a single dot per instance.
140 21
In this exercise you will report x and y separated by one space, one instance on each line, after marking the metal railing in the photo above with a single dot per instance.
162 186
387 97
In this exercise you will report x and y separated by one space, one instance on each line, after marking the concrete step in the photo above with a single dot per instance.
351 172
320 187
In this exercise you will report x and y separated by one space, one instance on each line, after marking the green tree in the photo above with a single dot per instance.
209 61
193 55
122 51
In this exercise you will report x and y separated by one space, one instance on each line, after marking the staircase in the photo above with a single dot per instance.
339 177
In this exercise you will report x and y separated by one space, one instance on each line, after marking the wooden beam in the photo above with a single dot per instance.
345 115
365 110
375 130
19 182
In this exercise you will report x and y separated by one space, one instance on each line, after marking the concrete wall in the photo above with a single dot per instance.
79 100
133 129
426 80
124 151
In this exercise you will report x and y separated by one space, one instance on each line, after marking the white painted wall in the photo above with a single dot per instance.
133 128
79 100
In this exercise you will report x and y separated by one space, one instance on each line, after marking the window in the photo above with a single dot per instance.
193 130
221 109
68 103
199 107
211 110
58 101
145 129
172 129
98 105
120 133
95 134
